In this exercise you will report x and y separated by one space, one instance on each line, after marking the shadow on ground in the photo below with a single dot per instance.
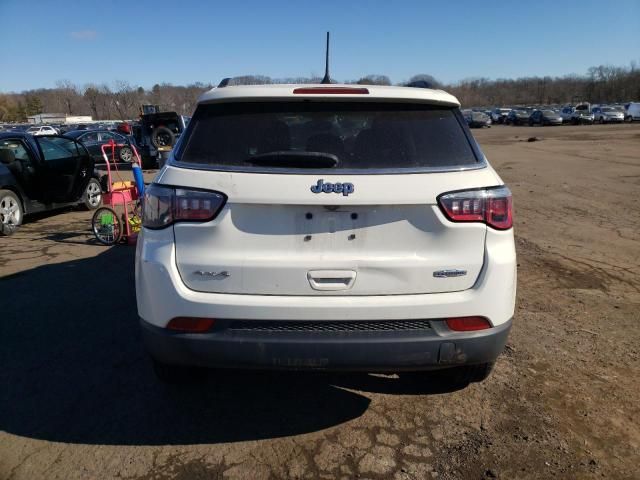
73 370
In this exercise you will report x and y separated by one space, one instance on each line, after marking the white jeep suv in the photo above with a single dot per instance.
328 227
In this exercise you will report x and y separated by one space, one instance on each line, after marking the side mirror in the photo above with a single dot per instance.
7 157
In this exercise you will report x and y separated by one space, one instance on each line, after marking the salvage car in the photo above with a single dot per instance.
43 130
582 116
43 173
499 115
517 117
326 227
544 118
607 115
632 112
94 139
476 119
156 134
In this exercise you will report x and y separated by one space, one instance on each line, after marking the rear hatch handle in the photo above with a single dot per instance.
331 280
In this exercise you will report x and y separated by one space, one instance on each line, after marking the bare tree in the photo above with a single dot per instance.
69 94
92 97
125 99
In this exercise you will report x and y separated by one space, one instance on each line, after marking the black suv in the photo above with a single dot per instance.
43 173
156 135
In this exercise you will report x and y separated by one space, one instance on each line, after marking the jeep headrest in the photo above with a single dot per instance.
7 156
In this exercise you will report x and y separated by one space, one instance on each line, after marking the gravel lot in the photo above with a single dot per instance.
78 398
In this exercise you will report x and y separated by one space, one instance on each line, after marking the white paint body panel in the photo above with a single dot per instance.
162 295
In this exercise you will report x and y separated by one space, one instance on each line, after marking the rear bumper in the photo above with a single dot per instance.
434 347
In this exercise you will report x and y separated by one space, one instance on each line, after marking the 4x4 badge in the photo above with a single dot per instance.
343 188
216 275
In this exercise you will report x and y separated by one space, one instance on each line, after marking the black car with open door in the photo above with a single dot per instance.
43 173
94 139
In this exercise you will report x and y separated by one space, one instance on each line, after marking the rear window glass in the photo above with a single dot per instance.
359 135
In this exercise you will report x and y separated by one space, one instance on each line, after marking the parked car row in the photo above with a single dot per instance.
91 138
153 135
581 114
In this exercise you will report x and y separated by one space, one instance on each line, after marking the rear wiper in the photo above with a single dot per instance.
293 159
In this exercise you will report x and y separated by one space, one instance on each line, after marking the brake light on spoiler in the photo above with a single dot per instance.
492 206
330 91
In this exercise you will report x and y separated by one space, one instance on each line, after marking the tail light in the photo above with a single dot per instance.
190 324
467 324
492 206
164 206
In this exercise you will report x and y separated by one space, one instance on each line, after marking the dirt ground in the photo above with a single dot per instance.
78 399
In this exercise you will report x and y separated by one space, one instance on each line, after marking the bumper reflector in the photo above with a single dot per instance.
468 324
190 324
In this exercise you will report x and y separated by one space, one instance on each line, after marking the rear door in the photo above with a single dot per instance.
64 170
367 225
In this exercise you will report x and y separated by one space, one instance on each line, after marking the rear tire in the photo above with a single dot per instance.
477 373
459 376
11 212
177 374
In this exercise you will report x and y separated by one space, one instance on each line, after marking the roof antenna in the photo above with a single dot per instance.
326 78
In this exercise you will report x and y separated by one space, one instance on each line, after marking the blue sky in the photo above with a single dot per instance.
147 42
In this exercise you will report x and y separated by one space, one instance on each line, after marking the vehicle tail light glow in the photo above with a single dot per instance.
164 206
331 91
467 324
190 324
492 206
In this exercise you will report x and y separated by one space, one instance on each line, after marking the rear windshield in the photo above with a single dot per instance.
358 136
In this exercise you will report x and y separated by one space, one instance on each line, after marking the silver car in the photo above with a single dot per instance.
607 115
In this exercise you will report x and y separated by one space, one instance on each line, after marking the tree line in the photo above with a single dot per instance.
121 100
117 101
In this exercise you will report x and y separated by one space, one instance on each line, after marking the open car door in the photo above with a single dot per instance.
65 169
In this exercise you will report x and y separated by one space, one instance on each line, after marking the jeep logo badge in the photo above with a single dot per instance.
343 188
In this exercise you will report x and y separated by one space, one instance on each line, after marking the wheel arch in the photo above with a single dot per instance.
19 194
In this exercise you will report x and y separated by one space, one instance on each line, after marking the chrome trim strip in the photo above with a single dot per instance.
326 171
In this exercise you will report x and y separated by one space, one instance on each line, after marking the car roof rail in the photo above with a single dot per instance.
224 82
